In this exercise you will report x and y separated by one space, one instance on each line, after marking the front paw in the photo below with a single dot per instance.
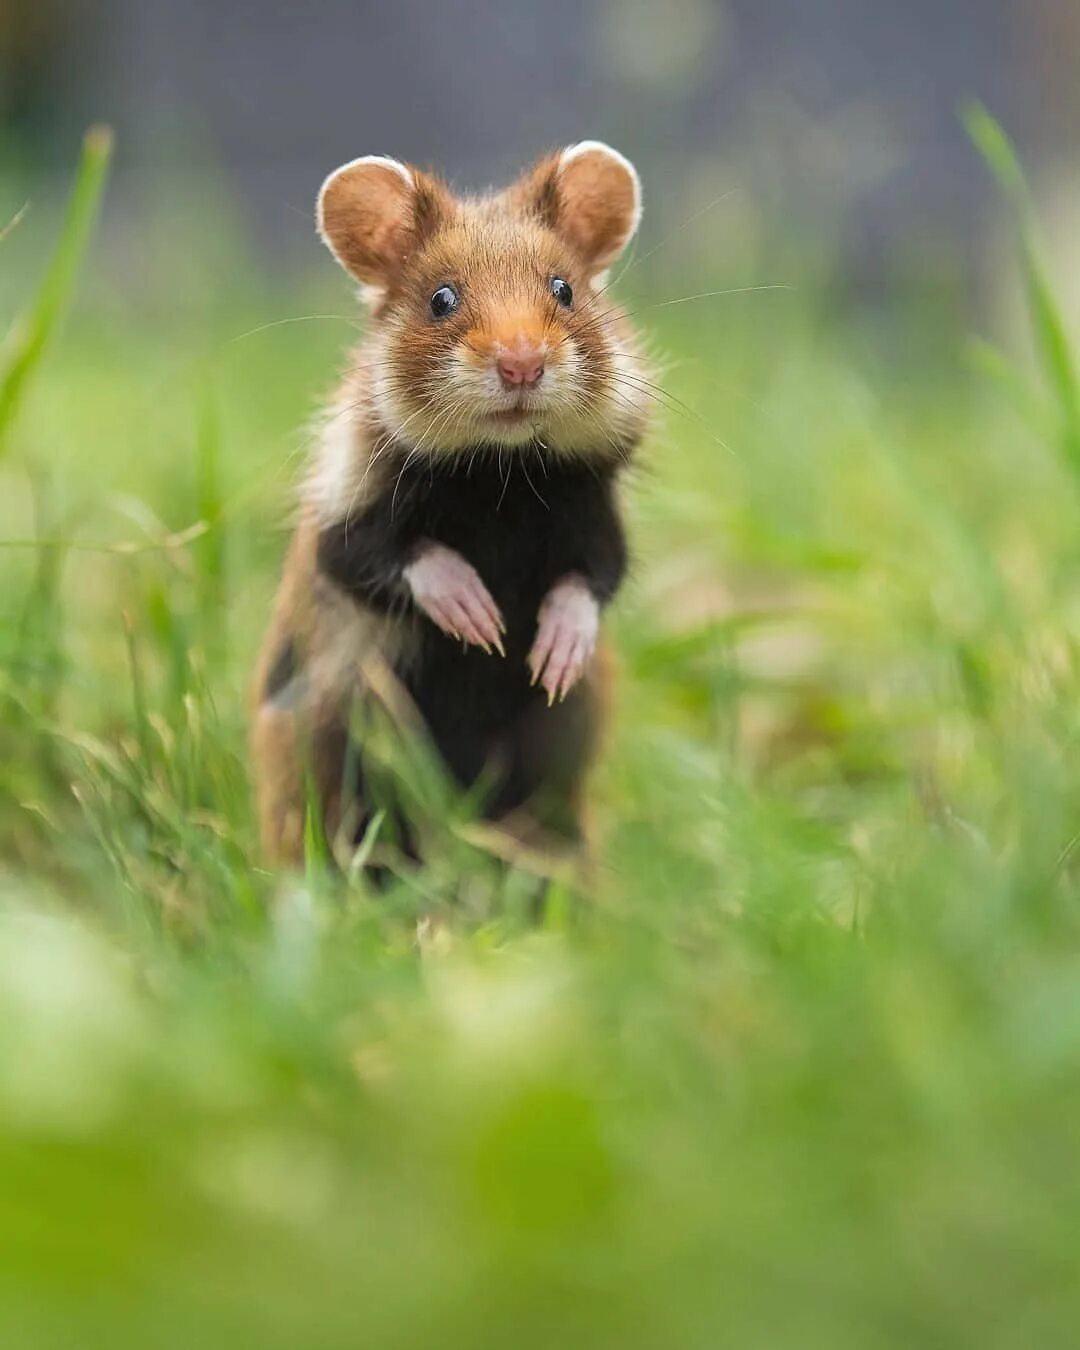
451 594
567 627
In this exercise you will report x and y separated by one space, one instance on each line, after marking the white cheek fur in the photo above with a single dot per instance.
451 415
337 464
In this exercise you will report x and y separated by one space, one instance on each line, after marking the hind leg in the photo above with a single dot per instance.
548 758
294 759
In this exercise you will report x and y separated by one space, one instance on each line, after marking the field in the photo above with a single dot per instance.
802 1070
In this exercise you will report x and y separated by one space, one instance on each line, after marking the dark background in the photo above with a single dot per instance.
827 119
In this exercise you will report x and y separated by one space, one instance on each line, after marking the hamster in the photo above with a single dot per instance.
460 531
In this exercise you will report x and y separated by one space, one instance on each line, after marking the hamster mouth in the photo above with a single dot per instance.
511 416
518 413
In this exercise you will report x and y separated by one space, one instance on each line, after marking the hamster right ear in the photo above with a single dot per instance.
370 214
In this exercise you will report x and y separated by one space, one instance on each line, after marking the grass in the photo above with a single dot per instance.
804 1071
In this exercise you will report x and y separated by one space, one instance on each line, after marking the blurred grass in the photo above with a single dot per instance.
806 1069
28 339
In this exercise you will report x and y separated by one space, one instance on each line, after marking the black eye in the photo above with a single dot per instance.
444 302
562 291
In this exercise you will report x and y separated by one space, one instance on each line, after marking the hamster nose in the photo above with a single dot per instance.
520 367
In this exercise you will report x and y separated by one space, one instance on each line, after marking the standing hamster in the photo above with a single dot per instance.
460 531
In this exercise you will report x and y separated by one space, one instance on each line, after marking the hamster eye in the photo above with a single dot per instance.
562 291
444 302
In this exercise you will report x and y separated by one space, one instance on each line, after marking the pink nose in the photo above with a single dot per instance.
520 367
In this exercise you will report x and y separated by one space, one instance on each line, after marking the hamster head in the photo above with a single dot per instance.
491 326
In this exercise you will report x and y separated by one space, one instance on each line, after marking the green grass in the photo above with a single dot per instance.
804 1071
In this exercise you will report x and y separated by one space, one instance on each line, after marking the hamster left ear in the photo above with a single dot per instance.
591 195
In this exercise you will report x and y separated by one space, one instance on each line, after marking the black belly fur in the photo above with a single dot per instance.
523 521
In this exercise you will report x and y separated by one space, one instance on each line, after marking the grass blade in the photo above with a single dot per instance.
138 696
30 336
14 222
1048 325
208 552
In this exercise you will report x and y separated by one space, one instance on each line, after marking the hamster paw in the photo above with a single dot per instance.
567 627
451 594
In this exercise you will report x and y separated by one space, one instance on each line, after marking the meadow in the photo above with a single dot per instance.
801 1069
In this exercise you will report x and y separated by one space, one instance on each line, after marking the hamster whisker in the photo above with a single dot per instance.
401 474
596 322
709 295
506 481
381 446
581 405
636 260
298 318
671 403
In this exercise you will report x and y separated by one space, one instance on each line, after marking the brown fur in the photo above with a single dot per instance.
567 220
342 649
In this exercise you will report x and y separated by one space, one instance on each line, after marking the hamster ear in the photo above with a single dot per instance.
371 213
591 195
599 200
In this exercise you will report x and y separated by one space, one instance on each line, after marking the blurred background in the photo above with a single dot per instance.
835 116
803 1066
